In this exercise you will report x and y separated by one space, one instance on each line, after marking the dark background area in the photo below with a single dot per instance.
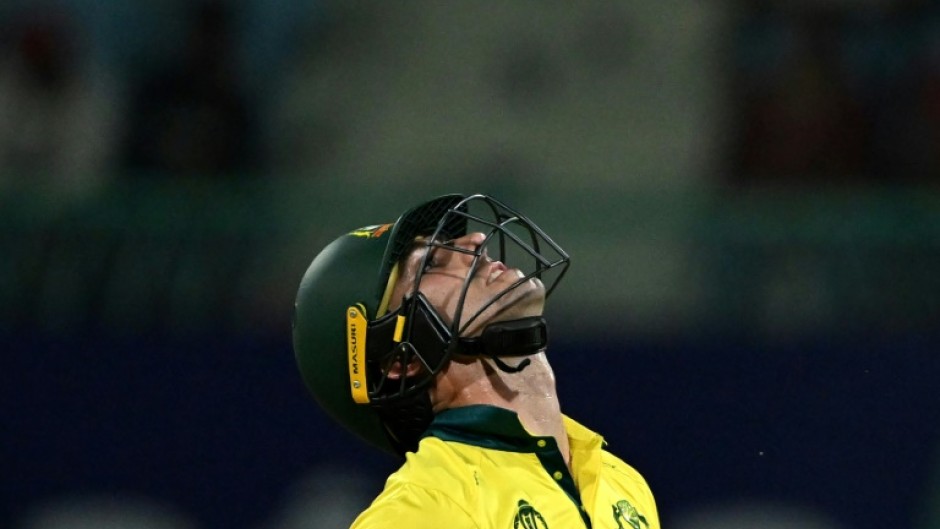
218 425
748 189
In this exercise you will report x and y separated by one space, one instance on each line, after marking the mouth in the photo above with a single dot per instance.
496 269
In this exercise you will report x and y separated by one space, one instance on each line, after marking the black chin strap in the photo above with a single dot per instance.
405 420
522 337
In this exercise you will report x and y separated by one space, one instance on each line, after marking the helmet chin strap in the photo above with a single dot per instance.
404 405
405 420
522 337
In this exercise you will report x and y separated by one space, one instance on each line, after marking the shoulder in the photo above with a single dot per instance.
633 488
432 489
439 465
416 507
619 470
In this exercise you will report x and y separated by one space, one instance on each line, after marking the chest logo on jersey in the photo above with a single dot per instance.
528 518
624 513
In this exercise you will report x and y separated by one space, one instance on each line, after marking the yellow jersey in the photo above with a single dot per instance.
477 467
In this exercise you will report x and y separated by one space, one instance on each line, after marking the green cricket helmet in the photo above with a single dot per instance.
345 337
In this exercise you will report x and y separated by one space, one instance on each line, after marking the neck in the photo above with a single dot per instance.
530 393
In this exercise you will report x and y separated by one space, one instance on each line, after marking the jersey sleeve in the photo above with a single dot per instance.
634 486
652 513
416 508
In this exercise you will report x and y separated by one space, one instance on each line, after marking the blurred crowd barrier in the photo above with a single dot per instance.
151 257
324 497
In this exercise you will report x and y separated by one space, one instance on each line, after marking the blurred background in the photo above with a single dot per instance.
749 191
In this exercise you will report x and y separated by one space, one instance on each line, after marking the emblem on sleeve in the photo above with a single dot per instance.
624 512
528 518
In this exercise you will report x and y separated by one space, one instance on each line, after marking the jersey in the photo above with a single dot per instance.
478 468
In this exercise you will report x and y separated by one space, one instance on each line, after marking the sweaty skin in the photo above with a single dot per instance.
443 279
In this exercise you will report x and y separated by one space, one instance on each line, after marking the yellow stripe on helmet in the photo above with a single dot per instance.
356 324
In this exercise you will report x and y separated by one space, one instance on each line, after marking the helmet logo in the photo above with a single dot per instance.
371 232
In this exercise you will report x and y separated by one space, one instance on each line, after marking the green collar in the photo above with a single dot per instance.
499 429
485 426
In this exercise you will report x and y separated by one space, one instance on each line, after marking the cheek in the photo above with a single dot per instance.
394 300
442 295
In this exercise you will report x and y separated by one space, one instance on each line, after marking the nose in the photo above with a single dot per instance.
470 243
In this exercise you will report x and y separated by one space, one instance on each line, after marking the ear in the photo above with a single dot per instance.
395 370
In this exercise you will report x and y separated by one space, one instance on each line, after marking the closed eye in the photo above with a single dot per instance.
432 260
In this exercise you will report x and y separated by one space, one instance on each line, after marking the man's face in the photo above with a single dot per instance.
444 276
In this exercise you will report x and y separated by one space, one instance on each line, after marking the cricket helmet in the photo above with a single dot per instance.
345 337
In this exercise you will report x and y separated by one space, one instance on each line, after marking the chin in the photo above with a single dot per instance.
528 299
